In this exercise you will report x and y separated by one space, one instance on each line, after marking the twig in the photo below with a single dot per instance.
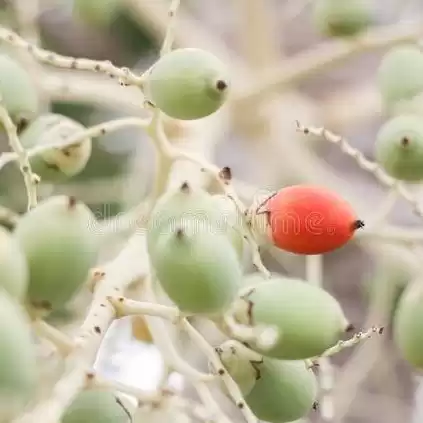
354 340
63 343
214 359
327 55
168 40
365 164
66 62
30 178
92 132
314 272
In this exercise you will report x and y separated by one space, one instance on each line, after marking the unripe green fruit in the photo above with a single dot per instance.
308 319
56 164
13 266
284 391
188 84
58 240
96 406
184 204
336 18
408 324
99 13
197 268
399 147
241 366
400 75
18 94
18 366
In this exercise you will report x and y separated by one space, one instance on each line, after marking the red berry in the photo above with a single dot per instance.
307 219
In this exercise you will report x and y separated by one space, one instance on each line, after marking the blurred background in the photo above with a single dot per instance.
254 135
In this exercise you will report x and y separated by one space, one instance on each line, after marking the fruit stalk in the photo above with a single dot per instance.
30 178
365 164
314 272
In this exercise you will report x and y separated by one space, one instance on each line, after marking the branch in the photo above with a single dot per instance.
365 164
327 55
30 178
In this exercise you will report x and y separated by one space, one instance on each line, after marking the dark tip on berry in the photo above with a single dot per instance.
315 405
381 329
221 85
226 173
358 224
180 233
185 187
97 329
350 328
21 125
90 375
221 372
405 141
71 201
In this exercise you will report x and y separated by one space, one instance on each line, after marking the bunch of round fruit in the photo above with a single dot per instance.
276 381
43 263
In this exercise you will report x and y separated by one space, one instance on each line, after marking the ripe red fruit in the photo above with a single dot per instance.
308 219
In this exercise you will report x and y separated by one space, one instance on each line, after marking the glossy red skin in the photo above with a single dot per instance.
308 219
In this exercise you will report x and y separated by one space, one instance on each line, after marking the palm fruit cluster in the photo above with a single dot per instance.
187 84
44 262
195 250
277 382
335 18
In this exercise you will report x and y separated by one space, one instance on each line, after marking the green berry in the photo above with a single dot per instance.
13 266
99 13
96 406
284 391
184 204
188 84
56 164
308 319
58 240
336 18
18 365
18 93
197 268
400 75
399 147
241 366
408 328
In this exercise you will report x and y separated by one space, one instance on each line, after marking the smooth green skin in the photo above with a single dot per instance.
308 319
56 164
400 75
183 84
336 18
199 271
194 205
18 366
238 365
404 162
408 325
285 391
99 13
14 272
60 247
230 223
18 93
95 406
